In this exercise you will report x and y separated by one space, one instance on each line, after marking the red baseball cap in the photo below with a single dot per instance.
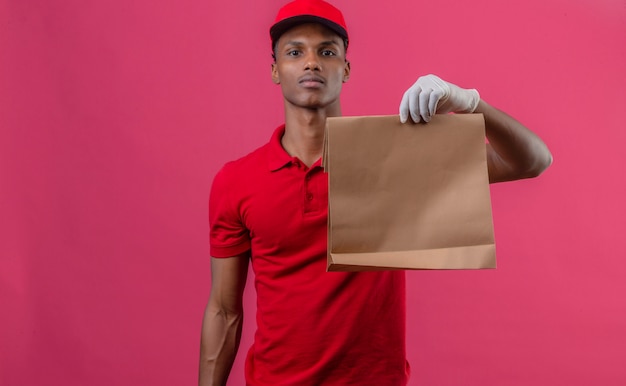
308 11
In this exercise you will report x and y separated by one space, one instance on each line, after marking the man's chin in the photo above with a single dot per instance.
314 104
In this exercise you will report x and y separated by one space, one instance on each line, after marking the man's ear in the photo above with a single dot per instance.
346 72
275 77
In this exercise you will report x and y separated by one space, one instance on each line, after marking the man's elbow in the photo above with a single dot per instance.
226 313
541 164
531 168
535 168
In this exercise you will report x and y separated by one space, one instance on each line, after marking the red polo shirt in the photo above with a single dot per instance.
313 327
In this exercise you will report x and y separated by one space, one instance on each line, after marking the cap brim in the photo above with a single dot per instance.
282 26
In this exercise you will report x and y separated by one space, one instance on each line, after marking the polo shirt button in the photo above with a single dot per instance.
308 177
309 196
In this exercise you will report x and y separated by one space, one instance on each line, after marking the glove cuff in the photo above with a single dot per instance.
472 101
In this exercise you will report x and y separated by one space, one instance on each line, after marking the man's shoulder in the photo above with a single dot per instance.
255 162
251 161
245 168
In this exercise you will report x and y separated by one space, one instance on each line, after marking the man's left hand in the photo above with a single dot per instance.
431 95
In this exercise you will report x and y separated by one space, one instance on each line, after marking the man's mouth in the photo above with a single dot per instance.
311 81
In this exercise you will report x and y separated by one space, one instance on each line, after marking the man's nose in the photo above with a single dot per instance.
312 62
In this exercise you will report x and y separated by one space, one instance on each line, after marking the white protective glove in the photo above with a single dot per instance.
431 95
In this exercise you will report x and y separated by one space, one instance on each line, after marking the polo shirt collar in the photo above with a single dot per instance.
277 156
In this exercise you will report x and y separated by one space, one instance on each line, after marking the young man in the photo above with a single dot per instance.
270 208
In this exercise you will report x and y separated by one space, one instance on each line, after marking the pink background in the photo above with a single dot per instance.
115 115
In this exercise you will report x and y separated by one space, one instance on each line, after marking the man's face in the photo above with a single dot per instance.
310 66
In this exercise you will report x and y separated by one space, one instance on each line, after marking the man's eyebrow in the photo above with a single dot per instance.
330 43
324 43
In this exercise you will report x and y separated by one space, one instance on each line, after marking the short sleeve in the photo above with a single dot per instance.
227 234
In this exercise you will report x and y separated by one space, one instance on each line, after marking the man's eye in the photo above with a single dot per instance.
328 53
293 52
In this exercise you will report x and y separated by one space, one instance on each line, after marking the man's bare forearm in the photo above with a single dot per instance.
223 319
221 333
514 152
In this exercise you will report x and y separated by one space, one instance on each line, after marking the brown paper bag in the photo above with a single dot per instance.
408 196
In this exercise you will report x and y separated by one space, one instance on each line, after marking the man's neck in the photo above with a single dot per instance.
304 133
